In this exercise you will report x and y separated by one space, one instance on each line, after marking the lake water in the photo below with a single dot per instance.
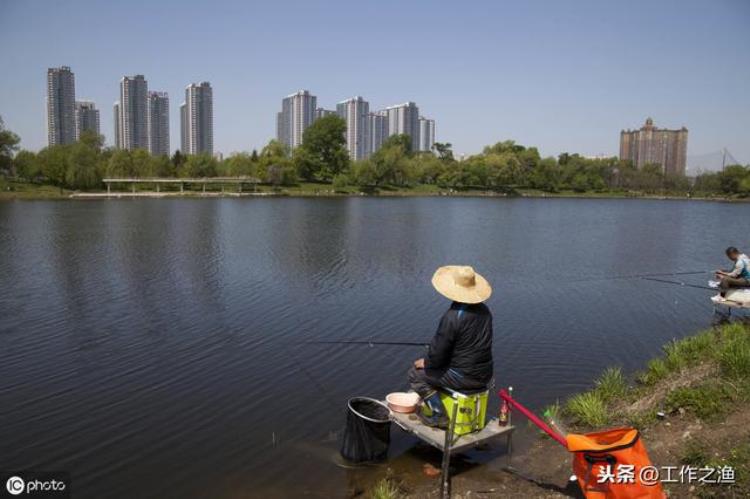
156 348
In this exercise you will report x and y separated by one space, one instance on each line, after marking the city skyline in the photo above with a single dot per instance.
549 86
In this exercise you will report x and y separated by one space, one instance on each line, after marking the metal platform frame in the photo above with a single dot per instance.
448 443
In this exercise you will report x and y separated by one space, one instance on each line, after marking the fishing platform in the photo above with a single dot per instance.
465 409
438 438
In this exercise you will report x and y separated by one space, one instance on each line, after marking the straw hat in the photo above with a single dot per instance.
460 283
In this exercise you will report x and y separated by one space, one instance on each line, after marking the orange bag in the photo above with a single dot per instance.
619 456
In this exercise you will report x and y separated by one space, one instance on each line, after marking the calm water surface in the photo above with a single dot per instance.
155 348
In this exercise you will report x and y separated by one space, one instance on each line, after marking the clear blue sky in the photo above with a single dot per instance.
565 76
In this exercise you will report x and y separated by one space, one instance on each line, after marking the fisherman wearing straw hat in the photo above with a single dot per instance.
460 355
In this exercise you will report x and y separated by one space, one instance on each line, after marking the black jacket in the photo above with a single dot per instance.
463 342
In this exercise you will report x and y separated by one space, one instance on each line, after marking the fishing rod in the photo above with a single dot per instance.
634 276
679 283
371 343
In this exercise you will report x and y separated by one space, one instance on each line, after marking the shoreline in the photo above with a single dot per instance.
45 192
691 405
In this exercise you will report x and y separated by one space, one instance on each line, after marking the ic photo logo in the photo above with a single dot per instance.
36 484
15 485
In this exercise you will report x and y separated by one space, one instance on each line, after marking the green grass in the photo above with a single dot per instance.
588 408
12 189
611 385
656 371
708 401
695 453
734 355
386 489
727 347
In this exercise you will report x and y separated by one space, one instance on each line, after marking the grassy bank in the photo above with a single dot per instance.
10 189
13 189
692 404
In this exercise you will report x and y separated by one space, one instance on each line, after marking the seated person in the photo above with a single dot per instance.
739 276
460 355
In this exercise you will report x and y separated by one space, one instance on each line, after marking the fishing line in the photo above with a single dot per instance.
371 343
313 379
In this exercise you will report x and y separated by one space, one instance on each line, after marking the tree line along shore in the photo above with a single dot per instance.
321 165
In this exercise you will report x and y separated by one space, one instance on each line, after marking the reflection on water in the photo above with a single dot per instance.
161 342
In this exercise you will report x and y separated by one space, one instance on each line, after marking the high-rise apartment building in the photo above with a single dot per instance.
116 114
355 112
198 119
87 118
426 134
320 112
183 128
298 111
650 144
378 130
404 119
61 103
158 123
133 113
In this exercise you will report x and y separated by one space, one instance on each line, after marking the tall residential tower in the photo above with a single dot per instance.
650 144
158 123
426 134
133 113
61 104
298 111
87 118
378 129
197 120
355 112
404 119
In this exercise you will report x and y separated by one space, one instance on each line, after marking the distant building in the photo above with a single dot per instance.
320 112
133 113
426 134
116 114
650 144
378 130
61 103
87 118
199 118
298 111
404 119
355 112
183 128
158 123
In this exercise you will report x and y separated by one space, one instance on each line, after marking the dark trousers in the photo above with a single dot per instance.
426 381
732 282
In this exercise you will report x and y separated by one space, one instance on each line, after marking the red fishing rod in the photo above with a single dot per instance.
532 417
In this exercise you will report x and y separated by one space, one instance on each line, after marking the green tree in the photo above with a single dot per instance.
26 165
390 164
241 164
83 169
53 162
121 164
545 176
445 153
200 166
178 161
323 152
273 162
731 178
162 166
8 146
